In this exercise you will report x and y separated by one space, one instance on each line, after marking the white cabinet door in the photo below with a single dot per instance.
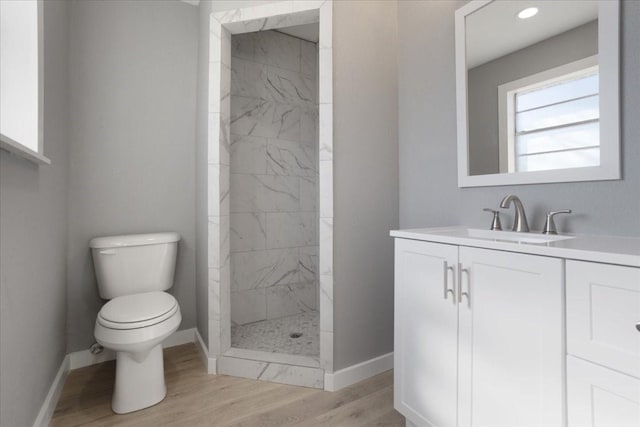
603 309
601 397
511 340
426 326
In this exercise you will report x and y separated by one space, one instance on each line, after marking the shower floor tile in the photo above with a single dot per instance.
274 335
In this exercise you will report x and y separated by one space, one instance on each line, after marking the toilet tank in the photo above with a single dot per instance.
136 263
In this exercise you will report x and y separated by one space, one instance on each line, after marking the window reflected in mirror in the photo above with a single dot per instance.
551 119
533 86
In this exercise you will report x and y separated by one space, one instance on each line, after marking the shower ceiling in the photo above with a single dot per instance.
308 32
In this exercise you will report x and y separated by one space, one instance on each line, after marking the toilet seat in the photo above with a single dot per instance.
137 310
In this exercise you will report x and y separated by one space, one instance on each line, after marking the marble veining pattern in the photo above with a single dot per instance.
291 229
273 177
308 194
256 369
294 375
293 158
253 120
260 117
257 80
264 193
266 356
325 131
261 269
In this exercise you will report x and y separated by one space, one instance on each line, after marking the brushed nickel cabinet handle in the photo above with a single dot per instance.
447 267
466 294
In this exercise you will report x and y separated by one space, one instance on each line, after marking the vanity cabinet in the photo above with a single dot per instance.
603 315
426 332
603 345
510 363
516 329
601 397
478 336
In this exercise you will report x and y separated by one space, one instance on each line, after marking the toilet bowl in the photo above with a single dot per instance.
134 326
133 271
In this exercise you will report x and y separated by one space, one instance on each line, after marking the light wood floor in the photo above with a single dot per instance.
195 398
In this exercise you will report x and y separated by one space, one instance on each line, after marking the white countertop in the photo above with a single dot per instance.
606 249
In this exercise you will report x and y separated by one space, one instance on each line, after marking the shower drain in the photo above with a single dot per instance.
295 334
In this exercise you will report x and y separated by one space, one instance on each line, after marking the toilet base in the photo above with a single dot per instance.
139 384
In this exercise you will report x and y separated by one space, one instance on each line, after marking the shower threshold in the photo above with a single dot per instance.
275 351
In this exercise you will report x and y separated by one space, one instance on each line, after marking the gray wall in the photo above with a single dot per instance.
132 155
429 195
483 82
33 241
365 177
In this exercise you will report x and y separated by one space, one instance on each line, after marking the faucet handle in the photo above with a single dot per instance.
495 223
549 224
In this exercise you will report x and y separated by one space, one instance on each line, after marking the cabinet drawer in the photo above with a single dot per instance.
601 397
603 309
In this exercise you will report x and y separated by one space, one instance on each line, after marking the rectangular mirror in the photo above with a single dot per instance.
537 91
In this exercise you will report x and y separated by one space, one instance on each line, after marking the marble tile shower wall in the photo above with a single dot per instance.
273 177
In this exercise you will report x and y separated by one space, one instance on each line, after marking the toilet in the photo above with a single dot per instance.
133 271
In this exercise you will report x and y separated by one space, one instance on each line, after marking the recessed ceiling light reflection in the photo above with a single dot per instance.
528 13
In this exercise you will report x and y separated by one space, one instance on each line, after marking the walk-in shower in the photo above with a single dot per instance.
270 193
274 193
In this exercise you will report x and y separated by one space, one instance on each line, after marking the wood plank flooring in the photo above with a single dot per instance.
195 398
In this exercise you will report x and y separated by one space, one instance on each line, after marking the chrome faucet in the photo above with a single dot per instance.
520 220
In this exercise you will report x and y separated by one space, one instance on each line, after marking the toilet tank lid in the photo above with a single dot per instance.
133 240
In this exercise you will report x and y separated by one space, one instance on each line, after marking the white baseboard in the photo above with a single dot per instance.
209 362
51 400
80 359
353 374
184 336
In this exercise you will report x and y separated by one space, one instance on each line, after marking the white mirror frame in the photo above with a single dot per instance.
609 61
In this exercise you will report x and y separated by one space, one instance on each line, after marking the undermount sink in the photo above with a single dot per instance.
504 236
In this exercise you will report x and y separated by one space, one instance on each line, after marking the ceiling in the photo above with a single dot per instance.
307 32
495 30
